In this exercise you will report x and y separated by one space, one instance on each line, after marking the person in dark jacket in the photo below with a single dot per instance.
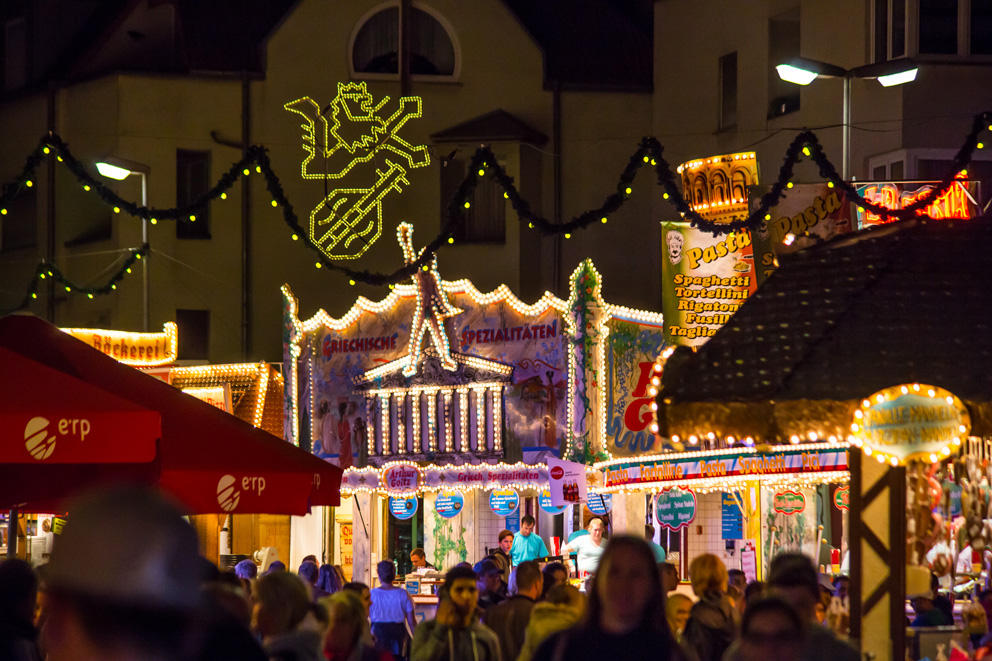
714 623
18 595
509 619
455 633
625 618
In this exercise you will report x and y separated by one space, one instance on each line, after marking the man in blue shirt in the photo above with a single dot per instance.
659 552
527 545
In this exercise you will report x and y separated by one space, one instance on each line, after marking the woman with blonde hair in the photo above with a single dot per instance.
285 618
347 630
714 622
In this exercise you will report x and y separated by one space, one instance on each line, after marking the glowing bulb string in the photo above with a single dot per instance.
46 270
484 162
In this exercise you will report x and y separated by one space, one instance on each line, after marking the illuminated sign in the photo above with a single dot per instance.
675 508
827 461
219 396
842 498
910 421
401 478
361 141
716 187
956 202
135 349
789 502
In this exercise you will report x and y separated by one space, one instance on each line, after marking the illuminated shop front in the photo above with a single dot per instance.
489 389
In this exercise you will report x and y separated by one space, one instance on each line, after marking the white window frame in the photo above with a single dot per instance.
445 23
912 36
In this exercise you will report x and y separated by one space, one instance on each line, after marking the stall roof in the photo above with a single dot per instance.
256 390
901 303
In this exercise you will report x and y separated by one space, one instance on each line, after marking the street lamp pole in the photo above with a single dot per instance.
119 169
803 71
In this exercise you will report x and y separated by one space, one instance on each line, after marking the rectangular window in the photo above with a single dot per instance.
728 91
981 27
485 219
878 173
896 170
897 20
193 328
783 45
15 54
938 27
881 31
192 183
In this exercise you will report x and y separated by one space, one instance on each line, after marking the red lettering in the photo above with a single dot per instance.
641 389
635 418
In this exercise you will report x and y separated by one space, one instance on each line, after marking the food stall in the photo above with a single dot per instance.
469 410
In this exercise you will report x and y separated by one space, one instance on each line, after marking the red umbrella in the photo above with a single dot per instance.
208 459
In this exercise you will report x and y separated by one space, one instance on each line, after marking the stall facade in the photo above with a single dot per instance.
443 404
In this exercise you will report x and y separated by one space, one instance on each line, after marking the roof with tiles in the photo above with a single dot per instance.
901 303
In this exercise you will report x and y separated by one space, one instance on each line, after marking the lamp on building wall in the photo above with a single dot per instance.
120 169
803 71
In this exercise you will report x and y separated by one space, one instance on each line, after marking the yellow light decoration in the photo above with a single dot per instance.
448 445
463 419
135 349
432 421
384 427
354 215
415 422
480 420
400 423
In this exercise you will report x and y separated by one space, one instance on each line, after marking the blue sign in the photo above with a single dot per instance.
503 502
600 503
731 517
513 522
545 500
449 504
403 508
675 508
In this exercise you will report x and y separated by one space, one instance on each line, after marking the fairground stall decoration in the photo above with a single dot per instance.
958 202
486 379
705 278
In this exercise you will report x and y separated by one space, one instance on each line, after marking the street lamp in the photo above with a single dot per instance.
119 169
803 71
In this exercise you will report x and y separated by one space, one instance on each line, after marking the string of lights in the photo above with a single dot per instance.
484 163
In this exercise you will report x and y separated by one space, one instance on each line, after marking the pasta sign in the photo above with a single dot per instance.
789 502
675 508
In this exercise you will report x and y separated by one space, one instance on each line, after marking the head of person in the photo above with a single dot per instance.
669 576
649 533
626 592
505 541
755 590
596 527
708 575
554 574
460 589
309 571
363 592
842 586
246 569
922 602
792 578
309 558
123 580
386 571
737 579
677 609
527 523
347 621
228 594
488 576
771 629
18 593
281 603
275 566
418 557
529 579
328 579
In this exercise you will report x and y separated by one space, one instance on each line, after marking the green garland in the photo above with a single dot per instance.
484 162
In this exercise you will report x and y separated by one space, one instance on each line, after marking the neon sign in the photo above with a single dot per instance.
954 203
360 141
135 349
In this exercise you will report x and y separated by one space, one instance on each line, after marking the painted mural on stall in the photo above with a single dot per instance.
630 359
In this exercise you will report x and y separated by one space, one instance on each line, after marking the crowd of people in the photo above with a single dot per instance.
125 581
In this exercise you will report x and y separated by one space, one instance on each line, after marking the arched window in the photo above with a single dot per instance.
376 46
741 180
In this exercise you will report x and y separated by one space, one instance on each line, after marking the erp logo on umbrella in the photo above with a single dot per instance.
40 445
227 494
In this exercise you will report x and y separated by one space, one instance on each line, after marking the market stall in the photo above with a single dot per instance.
876 342
467 394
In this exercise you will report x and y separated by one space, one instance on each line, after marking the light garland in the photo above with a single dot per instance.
432 422
415 421
424 470
496 401
385 432
448 422
401 446
263 389
731 452
463 419
481 444
114 343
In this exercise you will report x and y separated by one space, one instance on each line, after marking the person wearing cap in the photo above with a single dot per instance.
793 579
926 614
122 581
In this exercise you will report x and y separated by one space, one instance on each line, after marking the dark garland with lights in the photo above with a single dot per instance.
483 162
49 270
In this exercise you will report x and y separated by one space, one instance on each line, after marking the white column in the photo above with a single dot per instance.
415 429
400 423
463 420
